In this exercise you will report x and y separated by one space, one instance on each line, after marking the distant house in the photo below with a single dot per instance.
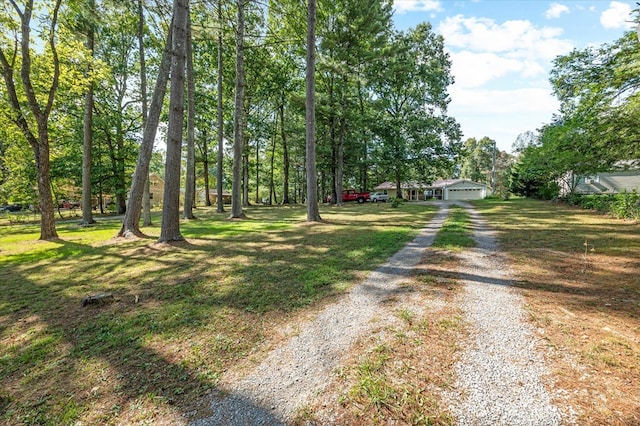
448 189
156 190
213 197
624 178
411 190
457 189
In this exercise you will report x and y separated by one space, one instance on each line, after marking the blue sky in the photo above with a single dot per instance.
502 52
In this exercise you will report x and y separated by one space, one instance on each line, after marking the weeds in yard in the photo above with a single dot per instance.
585 256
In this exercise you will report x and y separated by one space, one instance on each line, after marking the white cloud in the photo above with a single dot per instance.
482 50
517 37
403 6
490 102
502 114
475 69
556 10
618 15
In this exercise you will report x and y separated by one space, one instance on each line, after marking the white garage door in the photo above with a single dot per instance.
465 193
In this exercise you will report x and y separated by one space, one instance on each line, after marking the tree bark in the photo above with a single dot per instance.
336 195
220 172
238 118
285 155
364 168
341 137
257 173
205 167
131 222
170 228
313 213
190 181
340 161
146 195
272 190
87 144
245 176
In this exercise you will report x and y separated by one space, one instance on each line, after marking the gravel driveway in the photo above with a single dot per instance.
499 376
501 369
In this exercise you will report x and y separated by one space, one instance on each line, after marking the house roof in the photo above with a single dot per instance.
156 177
445 183
413 184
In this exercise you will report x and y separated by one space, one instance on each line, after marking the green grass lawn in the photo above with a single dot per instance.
456 233
182 313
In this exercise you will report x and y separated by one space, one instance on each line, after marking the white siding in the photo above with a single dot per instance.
464 194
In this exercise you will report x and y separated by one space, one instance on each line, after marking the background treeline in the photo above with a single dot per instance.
381 98
596 129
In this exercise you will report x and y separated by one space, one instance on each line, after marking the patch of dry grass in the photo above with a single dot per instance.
398 375
586 304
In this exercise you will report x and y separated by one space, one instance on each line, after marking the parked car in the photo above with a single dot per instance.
378 196
11 207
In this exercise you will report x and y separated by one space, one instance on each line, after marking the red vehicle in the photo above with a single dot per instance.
352 195
65 204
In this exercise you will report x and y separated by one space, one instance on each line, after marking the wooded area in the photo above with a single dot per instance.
596 126
77 92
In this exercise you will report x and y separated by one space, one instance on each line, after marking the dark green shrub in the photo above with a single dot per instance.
549 191
396 202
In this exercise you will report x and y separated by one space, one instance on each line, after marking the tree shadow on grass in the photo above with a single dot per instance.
622 302
163 343
63 362
170 333
101 360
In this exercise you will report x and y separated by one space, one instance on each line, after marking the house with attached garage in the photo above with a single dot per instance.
457 189
447 189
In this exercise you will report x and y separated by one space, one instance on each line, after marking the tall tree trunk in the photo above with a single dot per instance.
313 213
340 149
131 222
238 118
340 162
190 181
364 167
146 195
87 153
272 190
257 172
40 143
170 228
336 196
205 167
220 171
285 155
118 166
245 176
